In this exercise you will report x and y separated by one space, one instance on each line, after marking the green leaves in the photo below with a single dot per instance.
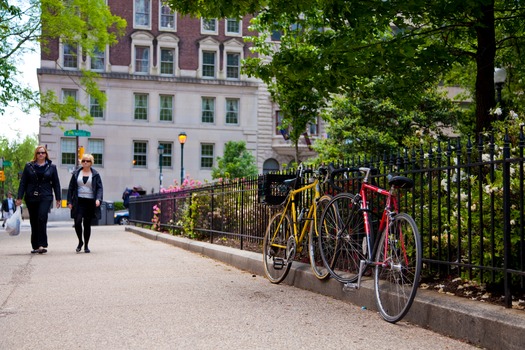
237 162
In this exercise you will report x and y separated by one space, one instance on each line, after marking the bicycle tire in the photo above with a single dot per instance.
342 238
398 268
316 261
277 261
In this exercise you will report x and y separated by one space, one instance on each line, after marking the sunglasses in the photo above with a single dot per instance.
41 152
86 161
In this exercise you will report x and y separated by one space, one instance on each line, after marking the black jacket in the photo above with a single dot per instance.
96 186
36 186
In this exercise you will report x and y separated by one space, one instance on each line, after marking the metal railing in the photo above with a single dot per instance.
468 202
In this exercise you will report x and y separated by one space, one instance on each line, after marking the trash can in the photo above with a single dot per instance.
107 211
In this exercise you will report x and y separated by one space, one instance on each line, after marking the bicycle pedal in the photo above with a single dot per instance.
278 263
350 287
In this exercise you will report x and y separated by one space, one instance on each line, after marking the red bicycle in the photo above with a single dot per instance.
346 235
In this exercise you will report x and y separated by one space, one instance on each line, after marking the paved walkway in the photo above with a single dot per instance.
138 293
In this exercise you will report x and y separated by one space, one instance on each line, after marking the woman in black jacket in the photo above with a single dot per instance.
83 198
38 182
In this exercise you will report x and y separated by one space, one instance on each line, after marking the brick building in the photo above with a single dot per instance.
169 74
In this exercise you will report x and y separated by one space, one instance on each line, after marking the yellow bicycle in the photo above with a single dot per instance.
286 231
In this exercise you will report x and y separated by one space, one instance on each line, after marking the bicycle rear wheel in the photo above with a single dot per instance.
276 254
398 268
342 238
316 261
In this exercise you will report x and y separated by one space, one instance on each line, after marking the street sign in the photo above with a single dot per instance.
7 163
82 133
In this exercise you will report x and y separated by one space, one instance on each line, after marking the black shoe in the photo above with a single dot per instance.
42 250
79 247
34 251
86 250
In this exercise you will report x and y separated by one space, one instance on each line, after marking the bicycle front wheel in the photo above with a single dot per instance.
316 261
277 261
342 238
398 268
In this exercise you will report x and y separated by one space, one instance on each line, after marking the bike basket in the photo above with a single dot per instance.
271 190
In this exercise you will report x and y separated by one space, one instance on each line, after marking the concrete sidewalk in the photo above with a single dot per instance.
481 324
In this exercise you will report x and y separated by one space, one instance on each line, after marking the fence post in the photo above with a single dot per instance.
506 219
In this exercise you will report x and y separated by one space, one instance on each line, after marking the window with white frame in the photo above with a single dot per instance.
208 64
96 148
142 12
207 150
142 59
167 61
166 108
209 26
167 154
233 26
70 56
232 65
69 94
313 127
168 17
68 151
140 154
140 106
232 111
98 60
208 110
95 109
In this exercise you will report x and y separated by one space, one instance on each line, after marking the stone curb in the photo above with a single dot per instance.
482 324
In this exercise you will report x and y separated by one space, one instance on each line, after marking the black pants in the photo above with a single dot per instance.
84 214
38 213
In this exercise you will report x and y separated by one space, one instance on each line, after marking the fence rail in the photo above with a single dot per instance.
468 202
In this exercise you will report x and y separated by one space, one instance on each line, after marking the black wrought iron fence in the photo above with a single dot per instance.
468 203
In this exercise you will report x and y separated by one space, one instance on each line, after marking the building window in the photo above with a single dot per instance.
208 64
166 108
70 95
70 56
141 59
95 109
233 26
206 156
232 111
142 13
98 60
208 110
167 17
232 65
141 107
140 154
209 26
96 148
166 61
167 155
313 128
68 151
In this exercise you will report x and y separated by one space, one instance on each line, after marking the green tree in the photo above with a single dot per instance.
329 45
18 154
88 23
236 163
366 123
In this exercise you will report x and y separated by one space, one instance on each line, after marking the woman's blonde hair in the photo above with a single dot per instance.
36 151
89 156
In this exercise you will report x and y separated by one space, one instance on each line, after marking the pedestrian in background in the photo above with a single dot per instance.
38 182
8 207
83 198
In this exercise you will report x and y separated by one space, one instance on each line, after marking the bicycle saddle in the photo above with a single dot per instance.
400 181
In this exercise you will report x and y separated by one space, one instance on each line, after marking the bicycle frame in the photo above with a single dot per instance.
291 206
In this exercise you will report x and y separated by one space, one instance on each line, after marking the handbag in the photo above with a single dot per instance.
12 225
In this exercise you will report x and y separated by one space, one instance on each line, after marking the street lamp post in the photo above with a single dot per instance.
500 75
160 150
182 141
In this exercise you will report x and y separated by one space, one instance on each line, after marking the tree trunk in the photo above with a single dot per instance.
486 51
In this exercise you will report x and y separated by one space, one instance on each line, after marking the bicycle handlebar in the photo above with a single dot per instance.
333 172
